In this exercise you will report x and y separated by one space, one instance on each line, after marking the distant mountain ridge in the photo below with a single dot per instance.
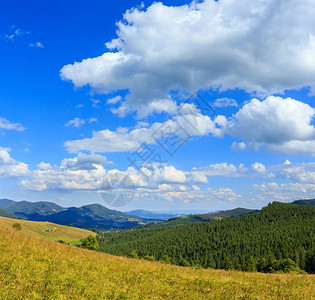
100 217
234 213
198 218
88 216
310 202
94 216
152 215
30 210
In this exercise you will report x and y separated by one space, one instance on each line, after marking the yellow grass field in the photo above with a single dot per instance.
33 268
48 231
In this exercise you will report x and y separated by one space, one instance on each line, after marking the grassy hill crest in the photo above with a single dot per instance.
47 230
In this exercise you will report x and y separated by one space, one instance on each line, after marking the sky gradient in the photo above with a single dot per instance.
203 105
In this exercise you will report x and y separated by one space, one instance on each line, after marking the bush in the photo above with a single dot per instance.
183 262
166 259
17 226
133 254
285 265
90 243
150 258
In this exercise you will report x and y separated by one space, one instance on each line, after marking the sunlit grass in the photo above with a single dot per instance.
33 268
47 230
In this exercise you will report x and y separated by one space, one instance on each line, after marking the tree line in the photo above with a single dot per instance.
279 238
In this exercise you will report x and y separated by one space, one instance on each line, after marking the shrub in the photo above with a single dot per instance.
166 259
90 243
183 262
133 254
150 258
17 226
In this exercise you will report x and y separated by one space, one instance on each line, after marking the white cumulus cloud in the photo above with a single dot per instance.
258 46
283 125
9 167
76 122
5 124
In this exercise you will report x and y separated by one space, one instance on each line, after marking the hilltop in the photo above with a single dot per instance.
47 230
47 270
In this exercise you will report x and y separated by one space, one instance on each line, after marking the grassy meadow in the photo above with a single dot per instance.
48 231
34 268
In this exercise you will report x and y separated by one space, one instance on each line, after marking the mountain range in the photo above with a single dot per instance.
100 217
88 216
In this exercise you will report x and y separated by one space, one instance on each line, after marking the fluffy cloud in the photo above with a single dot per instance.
283 125
157 176
85 162
158 106
76 122
189 122
9 167
189 195
260 168
294 147
221 169
5 124
238 146
296 173
114 100
84 172
259 46
274 121
225 102
112 141
57 178
272 191
87 172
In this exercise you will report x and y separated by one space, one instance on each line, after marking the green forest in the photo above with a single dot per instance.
279 238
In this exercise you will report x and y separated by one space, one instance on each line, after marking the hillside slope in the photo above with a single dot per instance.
46 230
7 214
32 268
250 242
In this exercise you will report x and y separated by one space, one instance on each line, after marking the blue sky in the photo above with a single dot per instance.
84 88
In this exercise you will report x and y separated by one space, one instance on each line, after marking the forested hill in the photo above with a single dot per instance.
258 241
310 202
